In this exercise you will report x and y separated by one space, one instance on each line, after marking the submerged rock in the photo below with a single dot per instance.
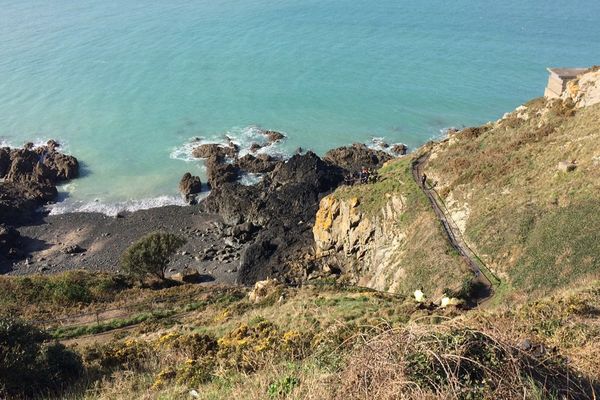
254 147
215 150
274 136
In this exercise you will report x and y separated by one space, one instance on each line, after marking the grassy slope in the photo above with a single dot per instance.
536 226
425 256
328 342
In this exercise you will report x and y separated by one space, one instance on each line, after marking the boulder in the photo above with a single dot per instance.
25 166
188 275
264 289
274 136
189 186
72 249
244 231
353 158
566 166
52 144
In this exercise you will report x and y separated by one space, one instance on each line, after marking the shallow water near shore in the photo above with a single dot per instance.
127 87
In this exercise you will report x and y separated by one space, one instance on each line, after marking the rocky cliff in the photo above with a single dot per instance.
384 236
366 246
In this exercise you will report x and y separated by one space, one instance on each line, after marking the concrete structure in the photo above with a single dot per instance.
557 82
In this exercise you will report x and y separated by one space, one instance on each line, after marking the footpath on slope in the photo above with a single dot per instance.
483 276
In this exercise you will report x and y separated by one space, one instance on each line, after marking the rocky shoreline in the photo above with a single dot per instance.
237 234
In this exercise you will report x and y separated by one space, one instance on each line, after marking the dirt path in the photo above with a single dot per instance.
454 235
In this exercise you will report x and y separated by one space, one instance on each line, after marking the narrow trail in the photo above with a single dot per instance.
483 277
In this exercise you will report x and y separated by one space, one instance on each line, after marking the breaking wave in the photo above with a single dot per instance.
113 209
243 137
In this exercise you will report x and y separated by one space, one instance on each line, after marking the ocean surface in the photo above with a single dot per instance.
126 85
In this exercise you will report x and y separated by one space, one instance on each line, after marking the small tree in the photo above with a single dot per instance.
150 255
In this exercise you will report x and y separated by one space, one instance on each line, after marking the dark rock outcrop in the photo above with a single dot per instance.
219 171
283 205
72 249
42 164
353 158
4 161
259 164
61 166
30 175
20 200
190 186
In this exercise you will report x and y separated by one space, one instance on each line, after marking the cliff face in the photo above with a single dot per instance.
384 236
366 246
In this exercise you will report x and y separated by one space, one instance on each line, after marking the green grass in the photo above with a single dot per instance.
563 246
92 329
395 178
530 223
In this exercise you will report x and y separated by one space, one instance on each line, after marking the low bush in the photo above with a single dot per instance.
70 288
31 365
455 362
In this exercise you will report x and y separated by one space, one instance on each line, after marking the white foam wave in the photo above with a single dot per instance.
112 209
379 143
242 137
250 179
37 142
445 131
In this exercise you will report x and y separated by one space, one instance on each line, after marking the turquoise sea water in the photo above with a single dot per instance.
125 84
